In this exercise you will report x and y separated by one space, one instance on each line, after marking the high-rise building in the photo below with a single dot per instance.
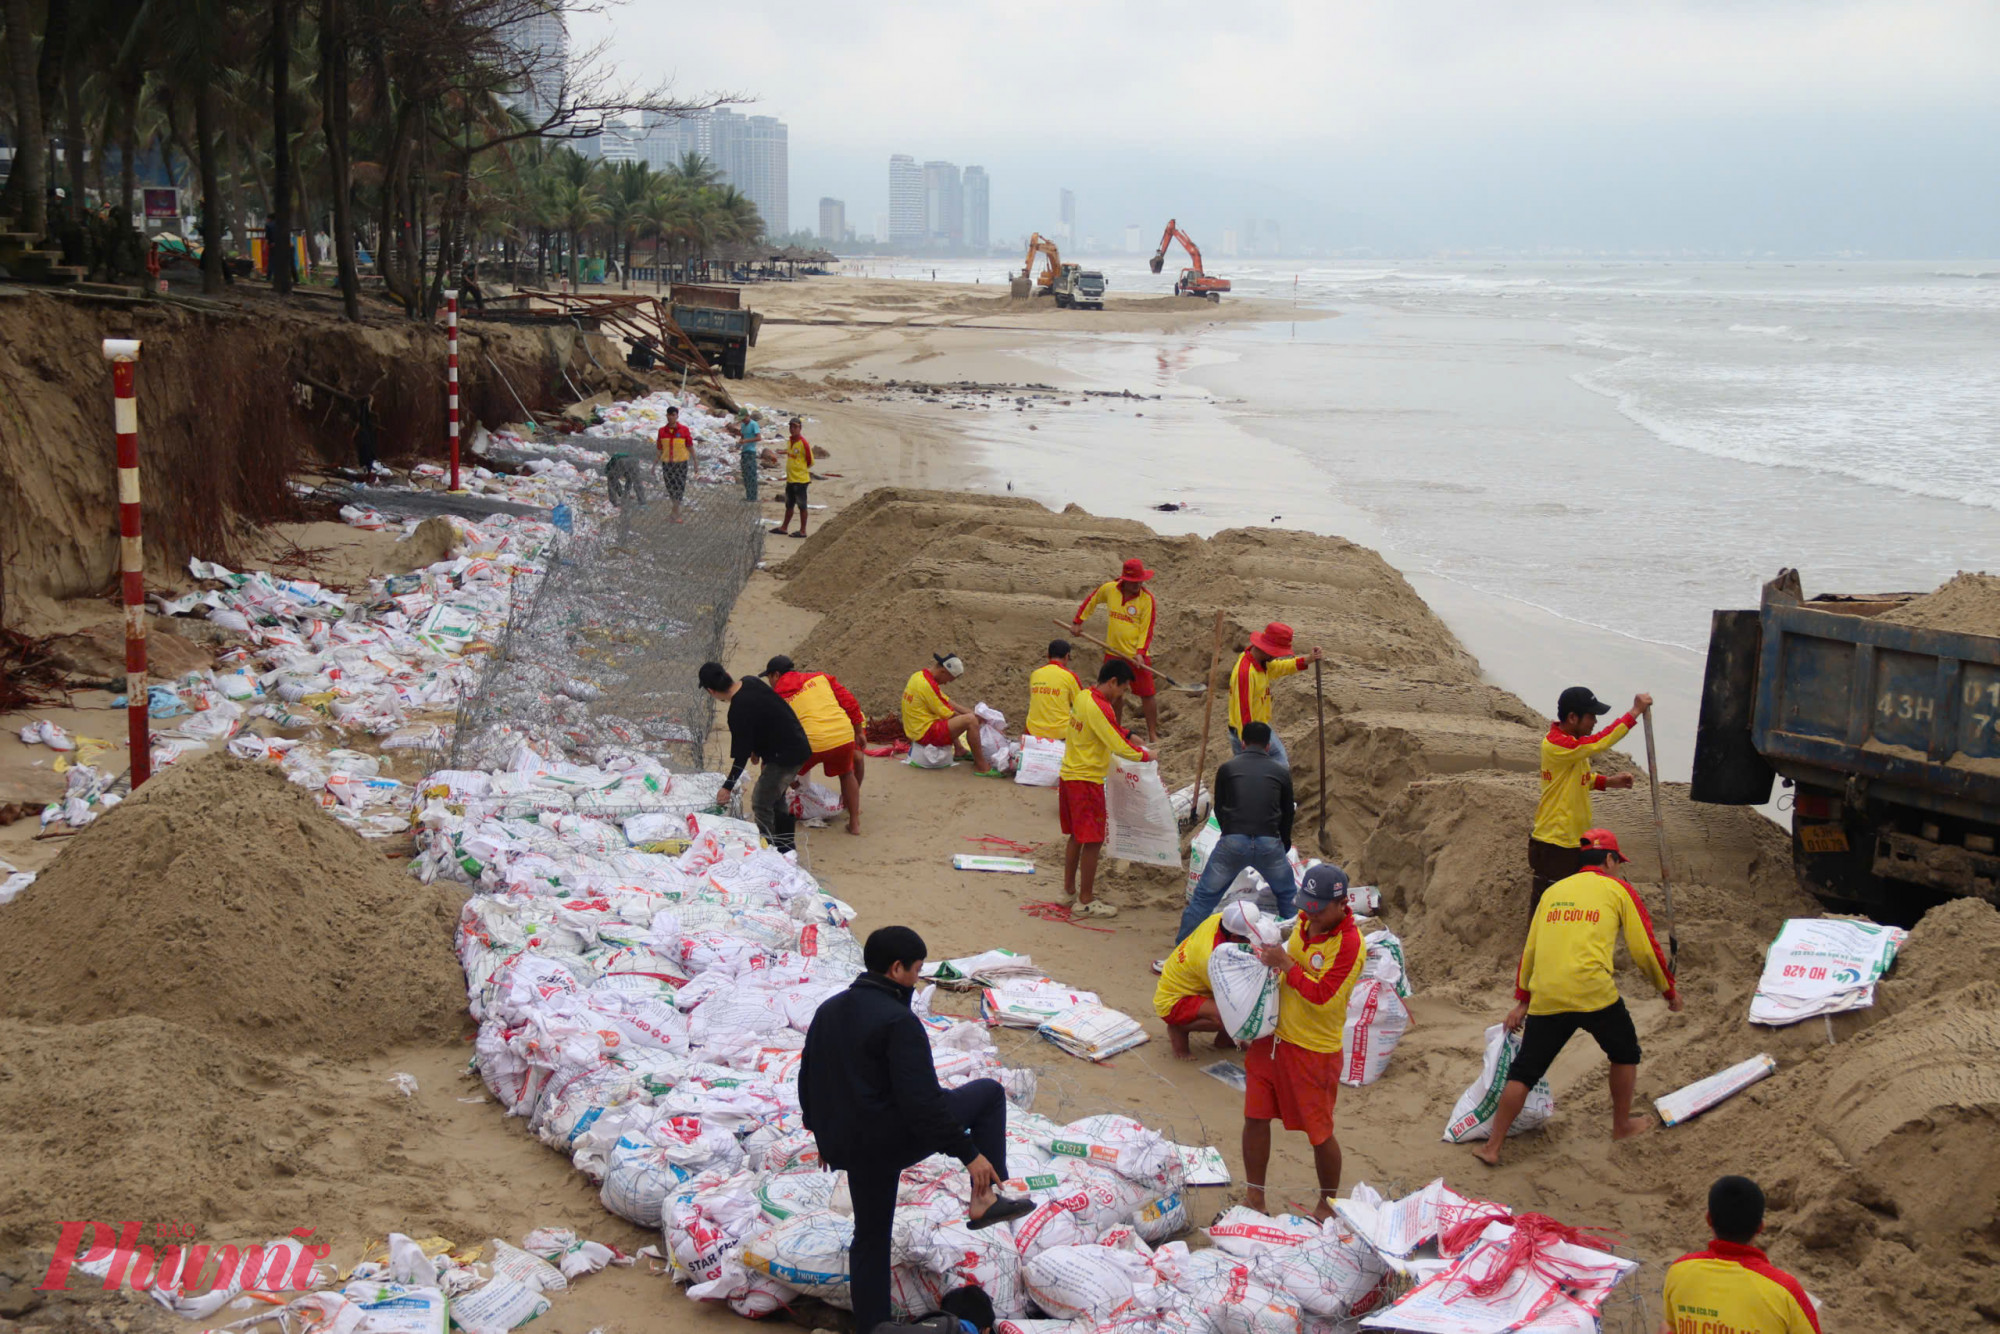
749 152
767 172
832 220
906 200
1134 240
944 205
1229 248
976 210
1066 216
541 39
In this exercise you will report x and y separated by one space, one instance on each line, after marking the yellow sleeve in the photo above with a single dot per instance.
1090 604
1606 739
1527 973
1279 668
1639 941
1101 727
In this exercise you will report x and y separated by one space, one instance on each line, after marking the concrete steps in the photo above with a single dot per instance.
25 261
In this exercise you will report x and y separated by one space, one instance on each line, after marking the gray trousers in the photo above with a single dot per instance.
767 803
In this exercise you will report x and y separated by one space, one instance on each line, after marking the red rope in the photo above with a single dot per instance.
1527 1246
1060 912
1009 844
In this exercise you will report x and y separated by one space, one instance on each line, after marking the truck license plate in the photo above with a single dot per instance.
1823 838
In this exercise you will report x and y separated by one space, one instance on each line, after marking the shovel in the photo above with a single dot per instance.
1067 628
1660 839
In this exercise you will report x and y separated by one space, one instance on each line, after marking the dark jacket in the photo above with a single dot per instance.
762 724
867 1086
1253 796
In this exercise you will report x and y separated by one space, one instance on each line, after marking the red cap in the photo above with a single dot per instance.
1602 840
1275 639
1135 572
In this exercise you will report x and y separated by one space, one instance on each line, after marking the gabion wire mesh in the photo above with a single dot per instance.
602 650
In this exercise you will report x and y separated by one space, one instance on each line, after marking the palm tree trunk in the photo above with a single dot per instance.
129 87
27 184
281 143
207 154
334 118
75 138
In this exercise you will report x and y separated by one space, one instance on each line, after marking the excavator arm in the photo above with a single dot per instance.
1042 245
1172 234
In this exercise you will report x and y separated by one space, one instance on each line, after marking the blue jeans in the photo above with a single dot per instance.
1232 853
1277 748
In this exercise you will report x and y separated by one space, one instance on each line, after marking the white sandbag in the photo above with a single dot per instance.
1326 1268
957 1256
808 800
1139 820
497 1307
993 741
1376 1022
392 1308
1245 991
931 757
1385 960
1090 1282
1200 850
1472 1115
807 1253
1041 762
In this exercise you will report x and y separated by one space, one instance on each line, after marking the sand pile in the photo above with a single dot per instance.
220 898
1969 604
98 654
430 542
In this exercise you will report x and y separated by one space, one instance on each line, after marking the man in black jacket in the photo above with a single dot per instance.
762 727
1253 805
870 1096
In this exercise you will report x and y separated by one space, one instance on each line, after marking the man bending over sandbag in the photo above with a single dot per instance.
1566 984
869 1093
1295 1074
1185 999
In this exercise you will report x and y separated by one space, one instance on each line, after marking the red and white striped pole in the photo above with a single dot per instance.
451 378
123 354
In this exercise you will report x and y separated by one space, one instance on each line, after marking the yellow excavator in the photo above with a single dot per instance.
1027 282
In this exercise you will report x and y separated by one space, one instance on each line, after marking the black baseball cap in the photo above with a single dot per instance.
1321 887
1580 699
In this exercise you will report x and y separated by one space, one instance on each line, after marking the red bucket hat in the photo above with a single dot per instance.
1602 840
1275 639
1135 572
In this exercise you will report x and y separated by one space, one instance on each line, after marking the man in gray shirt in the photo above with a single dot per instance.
1253 805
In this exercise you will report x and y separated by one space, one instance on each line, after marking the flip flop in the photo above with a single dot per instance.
1002 1210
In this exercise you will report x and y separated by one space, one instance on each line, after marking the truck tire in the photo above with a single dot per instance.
733 362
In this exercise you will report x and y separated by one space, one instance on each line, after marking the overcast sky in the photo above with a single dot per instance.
1802 126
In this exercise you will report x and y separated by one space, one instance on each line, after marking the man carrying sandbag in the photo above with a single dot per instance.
869 1093
764 728
1184 998
1566 983
1295 1074
1253 808
1094 737
833 722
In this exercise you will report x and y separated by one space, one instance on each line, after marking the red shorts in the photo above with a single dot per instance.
1292 1084
1142 677
939 734
1080 806
1186 1010
833 763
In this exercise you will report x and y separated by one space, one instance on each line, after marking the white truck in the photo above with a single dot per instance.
1078 287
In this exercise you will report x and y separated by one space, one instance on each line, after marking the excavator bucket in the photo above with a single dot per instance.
1158 261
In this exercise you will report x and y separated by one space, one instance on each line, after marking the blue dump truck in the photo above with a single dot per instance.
1887 735
714 318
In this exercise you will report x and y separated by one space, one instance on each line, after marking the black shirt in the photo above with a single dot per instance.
1253 797
868 1089
762 725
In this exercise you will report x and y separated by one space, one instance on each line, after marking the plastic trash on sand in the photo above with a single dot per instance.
1094 1032
499 1306
396 1308
970 861
1139 818
1703 1094
1029 1002
1472 1116
1491 1288
1823 965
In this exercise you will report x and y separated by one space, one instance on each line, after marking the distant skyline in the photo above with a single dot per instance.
1797 127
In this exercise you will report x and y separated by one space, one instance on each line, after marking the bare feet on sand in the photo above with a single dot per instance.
854 826
1634 1125
1488 1153
1177 1038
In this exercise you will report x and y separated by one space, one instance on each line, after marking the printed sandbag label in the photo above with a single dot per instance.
1139 816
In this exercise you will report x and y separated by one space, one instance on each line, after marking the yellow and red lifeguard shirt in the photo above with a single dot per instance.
924 703
827 709
676 444
1094 737
1250 687
1185 972
798 460
1732 1289
1129 625
1052 690
1563 812
1566 966
1312 1002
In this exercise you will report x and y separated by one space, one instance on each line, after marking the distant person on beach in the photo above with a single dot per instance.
749 432
1564 811
869 1093
1130 612
1184 1000
1732 1285
1094 737
1269 658
1052 690
1254 808
1566 983
676 453
798 476
931 719
1294 1075
833 721
764 728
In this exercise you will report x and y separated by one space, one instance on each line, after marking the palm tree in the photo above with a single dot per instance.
188 36
664 212
570 202
627 186
695 171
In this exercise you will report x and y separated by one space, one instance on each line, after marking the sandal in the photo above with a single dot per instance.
1003 1209
1094 908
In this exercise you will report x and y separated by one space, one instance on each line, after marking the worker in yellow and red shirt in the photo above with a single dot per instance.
676 445
931 719
1563 812
1269 658
834 724
1184 998
798 477
1566 983
1052 689
1295 1073
1130 613
1731 1286
1094 737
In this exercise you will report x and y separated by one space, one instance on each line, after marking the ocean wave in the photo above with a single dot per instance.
1784 331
